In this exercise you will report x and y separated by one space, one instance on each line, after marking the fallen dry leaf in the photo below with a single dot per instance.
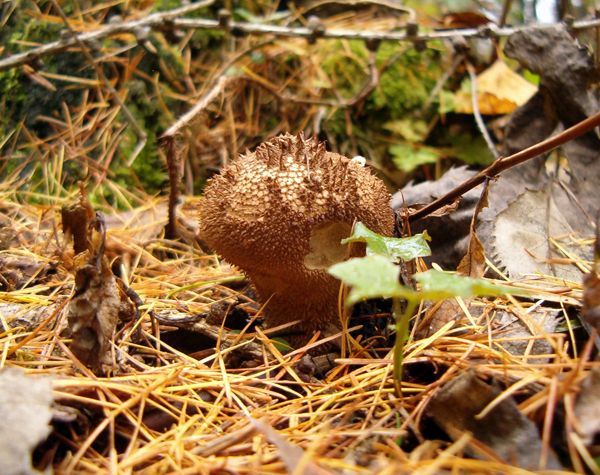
437 316
473 263
587 408
18 271
99 300
591 300
514 334
450 231
521 236
542 199
24 419
504 430
93 312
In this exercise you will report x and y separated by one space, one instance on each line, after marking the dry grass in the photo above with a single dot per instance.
163 411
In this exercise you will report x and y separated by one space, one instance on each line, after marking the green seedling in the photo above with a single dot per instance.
377 276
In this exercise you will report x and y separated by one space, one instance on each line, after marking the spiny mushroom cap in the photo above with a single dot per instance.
279 214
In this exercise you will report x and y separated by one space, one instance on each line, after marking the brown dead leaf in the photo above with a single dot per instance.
542 198
504 432
520 240
591 300
515 335
591 290
473 264
99 300
76 221
18 271
449 231
438 213
438 315
464 19
93 311
587 408
22 315
566 69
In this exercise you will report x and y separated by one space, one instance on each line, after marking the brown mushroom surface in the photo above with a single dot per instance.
279 214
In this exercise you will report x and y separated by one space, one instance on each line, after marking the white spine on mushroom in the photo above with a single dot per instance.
360 160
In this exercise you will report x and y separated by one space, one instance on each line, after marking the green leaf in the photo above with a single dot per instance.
392 248
281 344
376 277
446 102
531 77
437 285
408 128
473 151
408 156
370 277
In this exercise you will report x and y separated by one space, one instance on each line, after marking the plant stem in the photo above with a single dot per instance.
402 332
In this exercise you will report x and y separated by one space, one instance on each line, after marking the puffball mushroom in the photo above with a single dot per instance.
280 213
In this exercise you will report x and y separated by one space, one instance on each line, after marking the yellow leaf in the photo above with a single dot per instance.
499 91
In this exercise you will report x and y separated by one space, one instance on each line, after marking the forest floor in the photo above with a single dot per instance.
124 350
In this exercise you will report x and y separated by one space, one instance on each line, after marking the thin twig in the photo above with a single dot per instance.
216 86
202 103
477 113
156 20
505 163
170 19
505 11
168 143
489 30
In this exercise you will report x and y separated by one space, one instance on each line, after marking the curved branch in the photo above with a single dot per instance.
505 163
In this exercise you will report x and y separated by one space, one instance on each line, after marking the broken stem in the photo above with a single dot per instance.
503 164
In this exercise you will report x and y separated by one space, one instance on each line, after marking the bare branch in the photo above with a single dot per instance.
505 163
171 18
151 21
489 30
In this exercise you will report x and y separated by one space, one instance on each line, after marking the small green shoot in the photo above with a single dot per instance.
377 276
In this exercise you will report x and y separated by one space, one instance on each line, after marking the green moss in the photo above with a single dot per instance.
21 99
346 63
405 85
163 5
148 168
407 82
